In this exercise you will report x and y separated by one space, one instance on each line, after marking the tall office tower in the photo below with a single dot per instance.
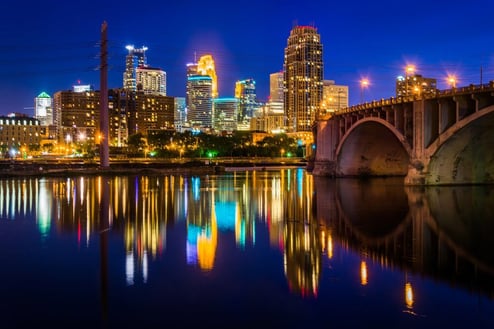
276 87
43 110
335 97
205 66
245 92
134 59
225 114
199 101
151 80
303 78
415 86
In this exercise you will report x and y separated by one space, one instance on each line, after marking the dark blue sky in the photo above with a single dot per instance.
50 45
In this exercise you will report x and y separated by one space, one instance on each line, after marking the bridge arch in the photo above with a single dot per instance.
373 147
463 153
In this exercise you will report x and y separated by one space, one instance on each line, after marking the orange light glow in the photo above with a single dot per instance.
363 273
408 295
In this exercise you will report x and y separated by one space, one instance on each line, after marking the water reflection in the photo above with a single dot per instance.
444 233
441 232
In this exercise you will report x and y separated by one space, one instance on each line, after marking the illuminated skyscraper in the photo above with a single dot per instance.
43 109
205 66
151 80
199 101
245 92
135 58
303 78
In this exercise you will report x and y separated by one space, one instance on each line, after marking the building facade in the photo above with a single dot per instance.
77 115
245 92
43 109
276 87
18 134
146 113
205 66
199 101
303 78
415 85
180 116
134 59
335 97
225 114
150 80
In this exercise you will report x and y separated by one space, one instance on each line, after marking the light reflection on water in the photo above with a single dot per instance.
369 252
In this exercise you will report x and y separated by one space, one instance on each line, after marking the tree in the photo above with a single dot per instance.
136 144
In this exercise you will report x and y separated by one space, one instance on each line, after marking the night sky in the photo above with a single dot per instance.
52 45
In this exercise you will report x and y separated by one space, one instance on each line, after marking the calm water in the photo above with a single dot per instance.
265 249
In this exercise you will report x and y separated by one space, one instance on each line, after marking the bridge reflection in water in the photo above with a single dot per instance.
440 232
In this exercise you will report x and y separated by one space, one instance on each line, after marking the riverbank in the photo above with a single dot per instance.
74 167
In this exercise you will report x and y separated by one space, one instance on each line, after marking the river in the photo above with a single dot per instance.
272 248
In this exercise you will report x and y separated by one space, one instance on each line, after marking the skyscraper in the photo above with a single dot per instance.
134 59
199 101
303 78
43 109
245 92
205 66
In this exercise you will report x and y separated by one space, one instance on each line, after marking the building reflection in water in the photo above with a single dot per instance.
440 232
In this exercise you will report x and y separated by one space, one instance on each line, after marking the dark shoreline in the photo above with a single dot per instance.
67 168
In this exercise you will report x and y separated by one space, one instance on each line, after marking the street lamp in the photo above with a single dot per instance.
452 81
364 83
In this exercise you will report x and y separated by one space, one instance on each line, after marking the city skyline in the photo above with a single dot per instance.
53 48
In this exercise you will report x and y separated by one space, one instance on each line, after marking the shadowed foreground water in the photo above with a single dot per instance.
255 249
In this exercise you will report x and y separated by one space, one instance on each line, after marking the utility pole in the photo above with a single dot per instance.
104 157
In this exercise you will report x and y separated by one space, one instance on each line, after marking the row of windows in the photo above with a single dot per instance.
18 122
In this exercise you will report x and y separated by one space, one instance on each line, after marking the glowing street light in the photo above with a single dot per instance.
452 81
364 83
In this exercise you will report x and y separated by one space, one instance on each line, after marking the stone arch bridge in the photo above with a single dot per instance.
440 140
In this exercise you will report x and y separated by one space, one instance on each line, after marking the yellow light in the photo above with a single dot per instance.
363 273
408 295
364 83
410 69
330 246
452 81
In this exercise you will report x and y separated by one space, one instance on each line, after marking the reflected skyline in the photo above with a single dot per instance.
309 222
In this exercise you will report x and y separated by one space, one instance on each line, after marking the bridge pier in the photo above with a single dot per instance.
327 139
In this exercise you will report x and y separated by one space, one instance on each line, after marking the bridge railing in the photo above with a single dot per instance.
404 99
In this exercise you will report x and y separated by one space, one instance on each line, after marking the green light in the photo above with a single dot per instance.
289 154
